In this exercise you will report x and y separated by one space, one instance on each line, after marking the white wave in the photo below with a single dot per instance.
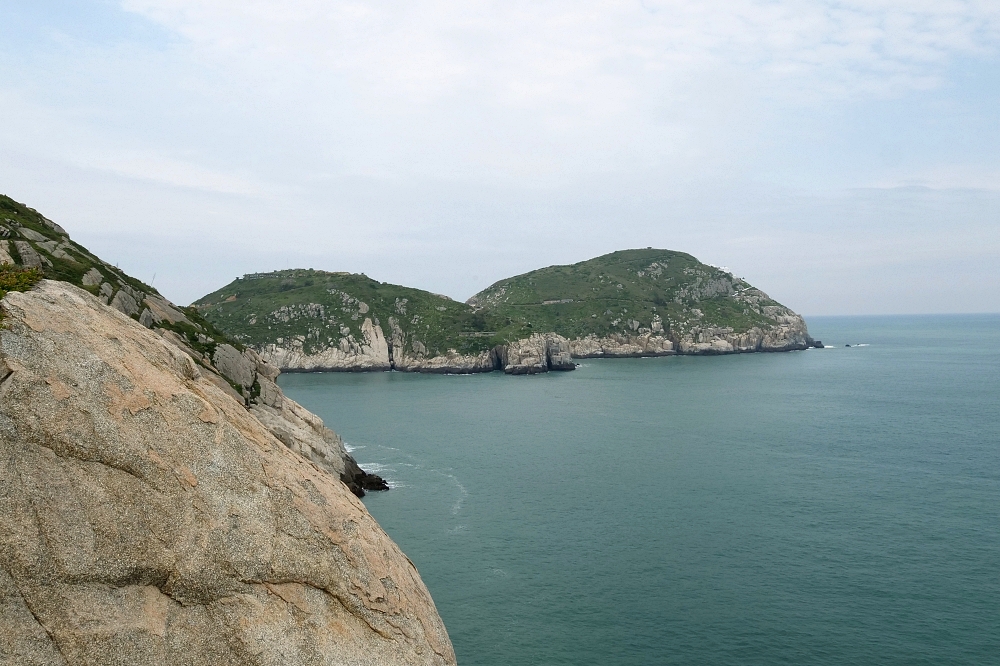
463 493
375 468
863 345
828 347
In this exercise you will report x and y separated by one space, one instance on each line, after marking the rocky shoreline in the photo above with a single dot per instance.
539 353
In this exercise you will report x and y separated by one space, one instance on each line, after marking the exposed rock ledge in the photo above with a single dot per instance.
541 352
299 429
146 517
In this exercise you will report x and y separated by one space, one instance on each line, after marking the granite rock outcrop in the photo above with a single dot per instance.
538 353
148 517
621 345
234 369
369 353
450 362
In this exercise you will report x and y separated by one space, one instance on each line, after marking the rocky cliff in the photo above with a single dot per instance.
148 517
630 303
306 320
32 241
644 303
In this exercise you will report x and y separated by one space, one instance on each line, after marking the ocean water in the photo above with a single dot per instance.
833 506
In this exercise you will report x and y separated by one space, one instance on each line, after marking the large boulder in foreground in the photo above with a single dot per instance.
146 517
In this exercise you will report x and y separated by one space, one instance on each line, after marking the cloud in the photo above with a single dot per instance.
532 92
448 144
527 53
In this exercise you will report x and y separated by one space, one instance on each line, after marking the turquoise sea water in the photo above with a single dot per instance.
833 506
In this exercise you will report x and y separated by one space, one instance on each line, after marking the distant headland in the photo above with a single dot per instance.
630 303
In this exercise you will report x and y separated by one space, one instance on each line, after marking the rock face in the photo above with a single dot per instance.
371 352
539 353
542 352
240 373
449 362
299 429
147 517
621 346
788 334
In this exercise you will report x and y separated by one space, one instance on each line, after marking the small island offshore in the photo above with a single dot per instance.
625 304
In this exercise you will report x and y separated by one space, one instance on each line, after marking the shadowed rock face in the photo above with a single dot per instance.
146 517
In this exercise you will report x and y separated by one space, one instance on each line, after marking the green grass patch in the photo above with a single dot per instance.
15 278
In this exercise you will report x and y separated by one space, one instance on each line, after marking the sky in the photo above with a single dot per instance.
842 156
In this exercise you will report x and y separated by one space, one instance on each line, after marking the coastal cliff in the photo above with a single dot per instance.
148 517
29 240
625 304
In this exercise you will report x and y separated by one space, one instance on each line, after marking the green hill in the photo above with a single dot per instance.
320 308
627 303
622 292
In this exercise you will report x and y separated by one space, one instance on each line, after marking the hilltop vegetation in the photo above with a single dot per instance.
31 240
320 308
624 292
622 296
33 247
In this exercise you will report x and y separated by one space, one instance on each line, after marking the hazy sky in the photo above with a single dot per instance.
843 156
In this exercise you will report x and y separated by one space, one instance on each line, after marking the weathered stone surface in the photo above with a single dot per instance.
369 353
789 333
265 369
23 641
136 295
558 352
303 432
538 353
270 394
234 365
146 517
619 345
56 248
146 318
92 277
125 303
106 291
163 310
5 257
29 258
31 234
451 362
52 225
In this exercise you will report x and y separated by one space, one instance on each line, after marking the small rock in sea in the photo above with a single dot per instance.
847 345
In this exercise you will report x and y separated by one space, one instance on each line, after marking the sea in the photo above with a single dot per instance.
830 506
